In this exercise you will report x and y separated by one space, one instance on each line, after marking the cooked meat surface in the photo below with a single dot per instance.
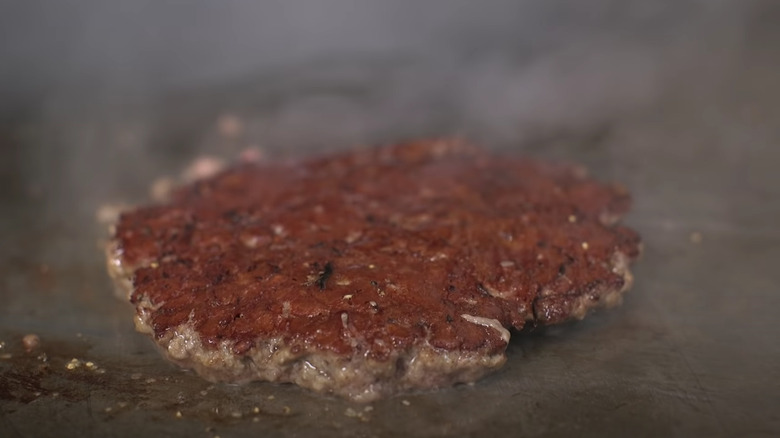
371 271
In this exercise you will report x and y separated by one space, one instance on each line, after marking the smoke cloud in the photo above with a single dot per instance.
135 90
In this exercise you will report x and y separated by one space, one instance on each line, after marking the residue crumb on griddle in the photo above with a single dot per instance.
76 364
30 342
109 213
362 415
202 168
230 126
3 354
252 154
161 188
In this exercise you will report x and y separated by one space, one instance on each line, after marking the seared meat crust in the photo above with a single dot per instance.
371 271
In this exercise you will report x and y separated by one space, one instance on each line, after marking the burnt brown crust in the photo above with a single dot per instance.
376 253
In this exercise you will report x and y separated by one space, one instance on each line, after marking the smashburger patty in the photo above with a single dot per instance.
372 271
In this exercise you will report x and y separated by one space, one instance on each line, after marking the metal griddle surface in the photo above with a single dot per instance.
692 352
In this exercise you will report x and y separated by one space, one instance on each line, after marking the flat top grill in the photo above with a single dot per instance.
693 351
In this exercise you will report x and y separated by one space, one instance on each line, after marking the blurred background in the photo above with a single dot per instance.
131 90
678 100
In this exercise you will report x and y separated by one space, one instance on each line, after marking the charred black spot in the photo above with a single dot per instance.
324 275
400 367
449 318
451 288
233 216
481 288
535 310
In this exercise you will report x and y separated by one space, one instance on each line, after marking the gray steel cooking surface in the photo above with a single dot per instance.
687 119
